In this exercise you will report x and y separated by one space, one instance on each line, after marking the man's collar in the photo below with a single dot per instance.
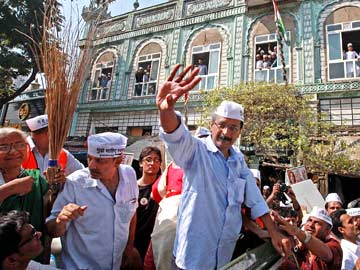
350 245
210 145
89 182
30 142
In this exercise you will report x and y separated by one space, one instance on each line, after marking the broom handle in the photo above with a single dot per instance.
52 169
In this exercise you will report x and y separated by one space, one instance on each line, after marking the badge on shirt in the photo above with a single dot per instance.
144 201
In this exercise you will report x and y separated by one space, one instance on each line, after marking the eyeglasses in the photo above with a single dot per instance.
33 234
5 148
222 126
151 160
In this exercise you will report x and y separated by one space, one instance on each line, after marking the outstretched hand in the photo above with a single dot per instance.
172 89
69 212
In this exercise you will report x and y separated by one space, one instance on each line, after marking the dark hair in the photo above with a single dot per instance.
148 150
336 216
10 237
287 212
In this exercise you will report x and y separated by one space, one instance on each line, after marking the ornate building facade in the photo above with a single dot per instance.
135 52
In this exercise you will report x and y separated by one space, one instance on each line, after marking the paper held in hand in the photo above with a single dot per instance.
308 195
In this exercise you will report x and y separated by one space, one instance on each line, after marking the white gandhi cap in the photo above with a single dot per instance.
106 145
322 214
37 122
333 197
230 109
354 212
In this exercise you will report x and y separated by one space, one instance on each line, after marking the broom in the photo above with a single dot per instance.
65 66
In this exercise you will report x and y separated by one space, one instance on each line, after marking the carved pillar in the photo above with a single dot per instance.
308 42
174 51
238 49
121 69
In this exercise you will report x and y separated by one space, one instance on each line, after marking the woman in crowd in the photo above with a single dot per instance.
150 161
20 189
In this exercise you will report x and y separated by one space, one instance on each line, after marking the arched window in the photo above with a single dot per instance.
102 77
205 54
266 55
147 72
343 41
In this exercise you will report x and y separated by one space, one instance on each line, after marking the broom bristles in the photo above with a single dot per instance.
65 68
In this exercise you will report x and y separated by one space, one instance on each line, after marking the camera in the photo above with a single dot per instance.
281 195
283 188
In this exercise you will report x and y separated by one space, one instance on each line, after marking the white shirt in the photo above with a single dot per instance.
351 55
259 64
72 164
351 252
97 239
38 266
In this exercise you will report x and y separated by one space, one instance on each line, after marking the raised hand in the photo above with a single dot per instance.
59 176
284 225
69 212
171 90
23 185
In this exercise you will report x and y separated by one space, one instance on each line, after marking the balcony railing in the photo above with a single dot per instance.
145 89
208 82
99 93
272 75
344 69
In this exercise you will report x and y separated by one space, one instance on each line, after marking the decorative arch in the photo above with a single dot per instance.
324 14
155 74
141 44
102 51
263 25
225 48
252 24
329 8
223 31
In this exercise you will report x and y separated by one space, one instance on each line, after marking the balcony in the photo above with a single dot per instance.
145 89
344 70
208 82
99 93
271 75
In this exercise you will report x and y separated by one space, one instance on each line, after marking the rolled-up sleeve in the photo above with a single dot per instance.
253 197
181 145
67 195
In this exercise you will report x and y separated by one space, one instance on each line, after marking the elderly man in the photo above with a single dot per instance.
38 150
216 182
316 249
333 203
19 243
96 208
348 230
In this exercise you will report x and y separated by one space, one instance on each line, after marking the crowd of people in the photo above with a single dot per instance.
104 81
206 208
266 60
142 77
